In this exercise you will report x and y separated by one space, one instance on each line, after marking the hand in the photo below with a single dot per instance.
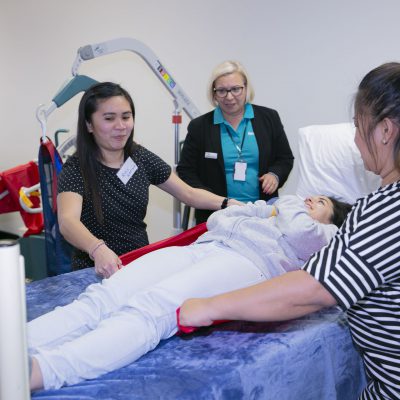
269 183
195 312
106 262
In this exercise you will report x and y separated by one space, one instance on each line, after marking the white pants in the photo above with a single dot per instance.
115 322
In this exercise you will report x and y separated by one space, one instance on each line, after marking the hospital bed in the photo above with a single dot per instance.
308 358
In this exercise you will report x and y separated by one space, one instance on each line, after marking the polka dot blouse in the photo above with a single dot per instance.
124 206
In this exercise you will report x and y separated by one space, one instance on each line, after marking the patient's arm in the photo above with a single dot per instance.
258 209
288 296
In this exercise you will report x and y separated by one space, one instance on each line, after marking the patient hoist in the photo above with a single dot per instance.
50 158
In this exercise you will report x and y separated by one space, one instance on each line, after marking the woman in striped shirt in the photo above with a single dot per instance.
360 269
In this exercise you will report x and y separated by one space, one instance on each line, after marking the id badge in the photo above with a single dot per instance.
240 171
127 170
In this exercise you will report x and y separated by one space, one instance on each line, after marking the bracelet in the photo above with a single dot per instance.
98 244
225 203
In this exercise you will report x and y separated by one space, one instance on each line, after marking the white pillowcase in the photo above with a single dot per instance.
330 164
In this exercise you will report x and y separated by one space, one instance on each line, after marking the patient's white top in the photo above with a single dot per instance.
275 244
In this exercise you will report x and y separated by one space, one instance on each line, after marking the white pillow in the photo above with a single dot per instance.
330 163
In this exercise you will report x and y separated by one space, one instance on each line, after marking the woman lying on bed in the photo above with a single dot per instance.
115 322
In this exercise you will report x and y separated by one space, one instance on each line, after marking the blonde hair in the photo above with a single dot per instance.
227 68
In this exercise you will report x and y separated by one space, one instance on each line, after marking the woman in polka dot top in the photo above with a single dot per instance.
103 189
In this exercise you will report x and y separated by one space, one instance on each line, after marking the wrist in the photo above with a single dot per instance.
275 176
95 247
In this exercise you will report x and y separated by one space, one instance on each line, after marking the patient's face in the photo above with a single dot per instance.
320 208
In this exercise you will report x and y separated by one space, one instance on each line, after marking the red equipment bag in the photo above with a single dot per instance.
11 181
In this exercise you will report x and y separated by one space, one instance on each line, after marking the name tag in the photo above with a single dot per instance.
250 133
240 171
214 156
127 170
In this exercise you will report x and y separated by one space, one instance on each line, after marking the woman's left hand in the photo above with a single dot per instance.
269 183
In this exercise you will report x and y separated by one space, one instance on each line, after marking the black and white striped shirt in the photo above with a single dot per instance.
361 269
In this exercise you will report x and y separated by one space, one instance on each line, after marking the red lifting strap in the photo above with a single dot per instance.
182 239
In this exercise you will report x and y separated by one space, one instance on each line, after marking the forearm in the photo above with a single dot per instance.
106 262
197 198
69 209
77 234
204 200
288 296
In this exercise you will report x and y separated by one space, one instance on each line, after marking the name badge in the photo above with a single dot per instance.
240 171
250 133
214 156
127 170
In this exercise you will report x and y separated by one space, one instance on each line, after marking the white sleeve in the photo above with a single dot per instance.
257 209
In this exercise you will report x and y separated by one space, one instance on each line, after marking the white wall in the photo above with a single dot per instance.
305 59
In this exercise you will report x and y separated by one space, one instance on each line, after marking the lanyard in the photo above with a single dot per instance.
239 149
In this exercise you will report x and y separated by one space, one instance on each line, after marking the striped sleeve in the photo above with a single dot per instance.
364 253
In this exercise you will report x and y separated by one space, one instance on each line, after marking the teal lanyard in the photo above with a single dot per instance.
239 149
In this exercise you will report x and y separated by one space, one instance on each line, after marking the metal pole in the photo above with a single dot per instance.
176 120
